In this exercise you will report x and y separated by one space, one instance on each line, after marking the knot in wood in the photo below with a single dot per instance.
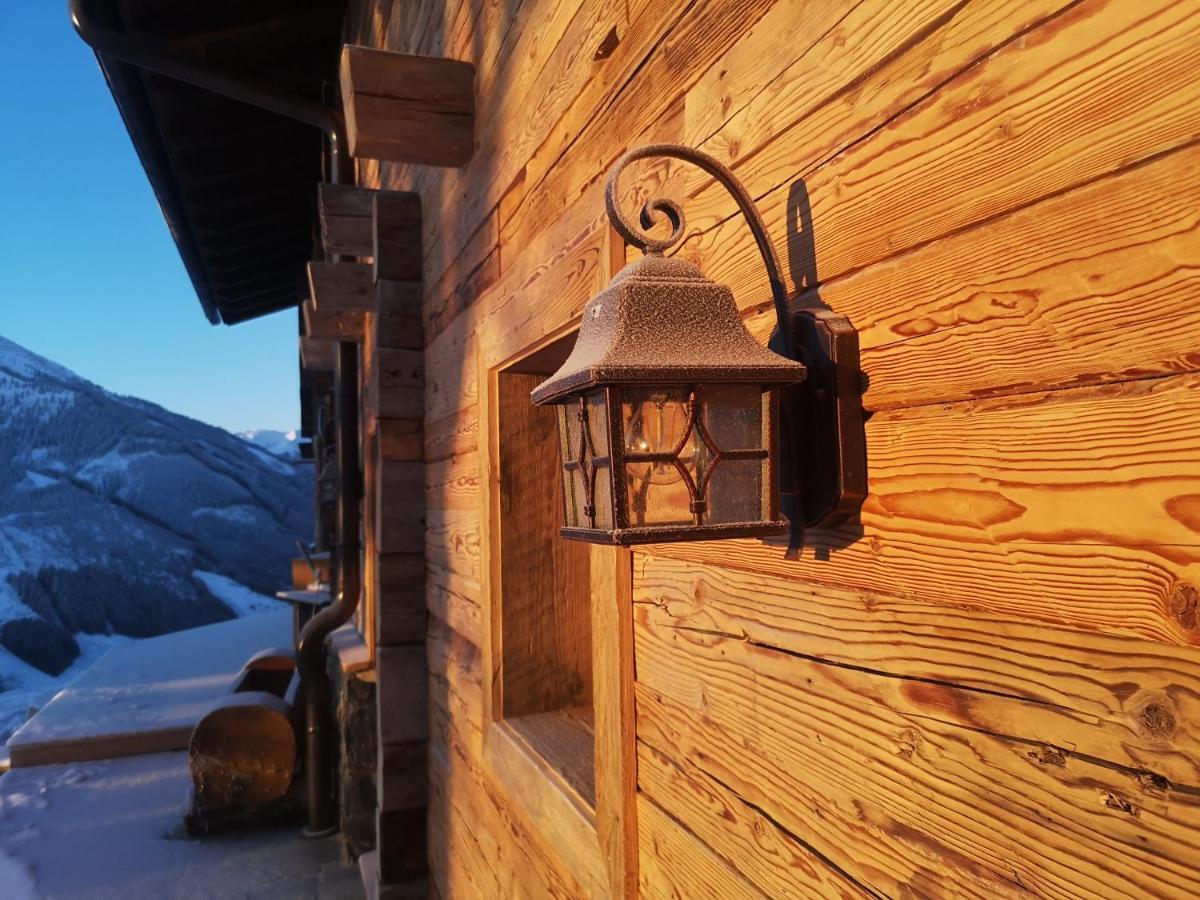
1185 604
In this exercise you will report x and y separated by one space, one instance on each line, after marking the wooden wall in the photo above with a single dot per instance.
992 686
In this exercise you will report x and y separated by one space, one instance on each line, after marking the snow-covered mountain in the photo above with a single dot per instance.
118 517
281 443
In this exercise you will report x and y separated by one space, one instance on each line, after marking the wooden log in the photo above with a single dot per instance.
400 613
317 356
341 286
345 213
403 699
396 217
332 325
405 108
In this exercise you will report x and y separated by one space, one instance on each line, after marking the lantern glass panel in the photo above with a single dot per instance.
696 455
586 483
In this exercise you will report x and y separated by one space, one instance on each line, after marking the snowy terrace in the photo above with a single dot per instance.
94 804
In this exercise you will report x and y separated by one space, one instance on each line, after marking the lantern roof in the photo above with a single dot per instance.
662 321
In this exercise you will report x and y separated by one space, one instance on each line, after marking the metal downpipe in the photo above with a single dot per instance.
314 678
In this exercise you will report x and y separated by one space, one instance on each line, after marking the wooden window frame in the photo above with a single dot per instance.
596 842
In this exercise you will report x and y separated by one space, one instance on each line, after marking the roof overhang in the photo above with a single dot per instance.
236 183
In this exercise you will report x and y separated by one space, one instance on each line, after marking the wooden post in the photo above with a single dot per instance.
393 400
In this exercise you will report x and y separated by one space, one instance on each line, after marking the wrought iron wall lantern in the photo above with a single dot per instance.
670 413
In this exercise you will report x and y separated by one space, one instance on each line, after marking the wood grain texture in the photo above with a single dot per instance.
909 794
675 864
1094 285
1074 508
615 732
1110 81
407 108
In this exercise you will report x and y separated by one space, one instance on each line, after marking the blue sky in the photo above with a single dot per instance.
89 276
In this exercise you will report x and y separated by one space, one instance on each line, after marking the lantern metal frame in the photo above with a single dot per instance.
623 330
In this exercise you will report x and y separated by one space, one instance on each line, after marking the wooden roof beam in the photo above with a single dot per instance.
402 108
317 356
346 225
342 286
332 325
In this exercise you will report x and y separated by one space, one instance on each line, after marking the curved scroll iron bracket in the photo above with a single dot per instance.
823 458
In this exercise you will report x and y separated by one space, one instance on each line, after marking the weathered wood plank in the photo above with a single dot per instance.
1094 285
611 574
452 435
674 863
1112 79
891 780
400 589
455 601
407 108
777 863
345 213
453 483
452 541
698 37
396 218
341 286
336 325
1075 508
1126 701
317 355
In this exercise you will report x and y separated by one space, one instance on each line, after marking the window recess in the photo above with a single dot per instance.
541 632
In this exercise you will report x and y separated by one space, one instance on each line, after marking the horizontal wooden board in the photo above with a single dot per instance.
1127 702
675 864
1076 508
892 780
1097 284
457 433
1110 82
744 840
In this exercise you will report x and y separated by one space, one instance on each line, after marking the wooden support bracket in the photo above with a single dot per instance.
346 219
342 286
402 108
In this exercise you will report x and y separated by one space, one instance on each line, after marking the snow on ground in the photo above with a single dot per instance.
152 687
236 596
113 829
15 881
27 688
